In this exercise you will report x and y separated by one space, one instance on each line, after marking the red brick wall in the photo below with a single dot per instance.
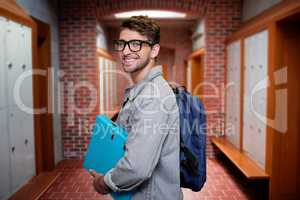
78 59
78 65
221 19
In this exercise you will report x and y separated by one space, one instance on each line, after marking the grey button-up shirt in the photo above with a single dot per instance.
150 166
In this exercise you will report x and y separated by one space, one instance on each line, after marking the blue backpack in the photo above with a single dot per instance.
192 140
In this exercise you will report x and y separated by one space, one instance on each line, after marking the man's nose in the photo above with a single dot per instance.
126 50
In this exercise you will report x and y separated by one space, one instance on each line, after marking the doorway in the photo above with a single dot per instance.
287 161
166 60
195 73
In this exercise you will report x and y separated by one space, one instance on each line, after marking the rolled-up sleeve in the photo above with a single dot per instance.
149 128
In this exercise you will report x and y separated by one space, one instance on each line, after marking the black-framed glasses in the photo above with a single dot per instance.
134 45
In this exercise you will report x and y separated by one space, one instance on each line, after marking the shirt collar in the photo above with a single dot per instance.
132 91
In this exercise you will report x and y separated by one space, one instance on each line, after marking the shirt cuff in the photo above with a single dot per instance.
109 183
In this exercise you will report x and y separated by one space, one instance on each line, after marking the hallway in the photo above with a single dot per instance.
223 183
60 68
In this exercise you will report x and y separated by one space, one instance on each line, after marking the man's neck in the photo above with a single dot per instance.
141 74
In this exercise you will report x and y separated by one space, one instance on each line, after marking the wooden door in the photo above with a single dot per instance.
196 75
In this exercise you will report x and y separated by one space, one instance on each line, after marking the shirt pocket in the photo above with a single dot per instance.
124 117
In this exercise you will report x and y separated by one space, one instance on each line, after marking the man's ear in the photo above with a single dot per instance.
155 51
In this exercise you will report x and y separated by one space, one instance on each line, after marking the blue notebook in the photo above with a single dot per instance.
105 149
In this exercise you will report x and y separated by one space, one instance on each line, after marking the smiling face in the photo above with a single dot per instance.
135 61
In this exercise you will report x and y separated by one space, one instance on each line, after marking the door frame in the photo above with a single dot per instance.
193 60
43 132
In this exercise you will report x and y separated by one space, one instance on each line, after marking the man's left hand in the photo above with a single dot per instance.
99 183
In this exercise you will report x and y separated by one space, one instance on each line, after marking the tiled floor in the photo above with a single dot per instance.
223 182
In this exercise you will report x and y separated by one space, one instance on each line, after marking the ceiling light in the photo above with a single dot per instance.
151 14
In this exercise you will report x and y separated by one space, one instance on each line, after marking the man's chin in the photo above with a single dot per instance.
129 69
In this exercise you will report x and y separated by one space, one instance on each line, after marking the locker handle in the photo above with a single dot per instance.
26 142
9 65
13 149
24 67
259 130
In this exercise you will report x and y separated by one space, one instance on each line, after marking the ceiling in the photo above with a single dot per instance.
163 23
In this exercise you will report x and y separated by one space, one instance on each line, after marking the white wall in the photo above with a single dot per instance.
46 11
252 8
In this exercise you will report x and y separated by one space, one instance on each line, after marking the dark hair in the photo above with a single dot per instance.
143 25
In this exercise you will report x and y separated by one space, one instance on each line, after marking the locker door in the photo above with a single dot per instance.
256 57
17 132
229 111
14 56
20 123
4 141
22 147
233 98
28 145
236 93
261 97
253 148
27 98
26 94
4 156
2 63
247 84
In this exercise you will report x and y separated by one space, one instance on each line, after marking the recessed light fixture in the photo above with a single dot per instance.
151 13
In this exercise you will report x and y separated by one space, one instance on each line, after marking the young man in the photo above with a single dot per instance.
150 115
